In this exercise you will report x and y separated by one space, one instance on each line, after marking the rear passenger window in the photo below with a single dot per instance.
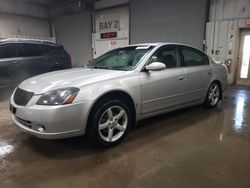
193 57
29 50
53 49
8 51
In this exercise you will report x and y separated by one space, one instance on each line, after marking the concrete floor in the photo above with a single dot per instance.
194 147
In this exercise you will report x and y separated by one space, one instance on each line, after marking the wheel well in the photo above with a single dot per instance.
220 86
120 95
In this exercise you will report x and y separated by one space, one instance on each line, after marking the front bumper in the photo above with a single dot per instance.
51 122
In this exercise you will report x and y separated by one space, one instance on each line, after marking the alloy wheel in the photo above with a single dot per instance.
113 123
214 94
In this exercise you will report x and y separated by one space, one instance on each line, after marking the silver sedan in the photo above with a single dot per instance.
109 95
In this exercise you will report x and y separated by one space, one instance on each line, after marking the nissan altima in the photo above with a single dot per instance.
105 98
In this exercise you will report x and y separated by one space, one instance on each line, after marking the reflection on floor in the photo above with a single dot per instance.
194 147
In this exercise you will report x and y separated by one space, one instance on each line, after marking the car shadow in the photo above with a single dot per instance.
146 132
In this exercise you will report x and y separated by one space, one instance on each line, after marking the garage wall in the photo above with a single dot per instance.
227 19
109 3
68 8
23 19
74 32
23 8
21 26
168 21
229 9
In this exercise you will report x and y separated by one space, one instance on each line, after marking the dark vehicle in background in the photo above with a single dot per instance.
24 58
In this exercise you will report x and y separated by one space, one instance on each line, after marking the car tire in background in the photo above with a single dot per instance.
109 123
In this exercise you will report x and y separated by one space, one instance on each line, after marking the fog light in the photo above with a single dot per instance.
41 129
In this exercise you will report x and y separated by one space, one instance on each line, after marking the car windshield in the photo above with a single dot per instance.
121 59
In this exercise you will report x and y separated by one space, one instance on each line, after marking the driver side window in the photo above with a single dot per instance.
168 55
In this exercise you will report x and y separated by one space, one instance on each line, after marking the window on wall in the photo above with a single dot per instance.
193 57
8 51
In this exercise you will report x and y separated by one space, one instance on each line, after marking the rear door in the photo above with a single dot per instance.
11 68
34 58
198 72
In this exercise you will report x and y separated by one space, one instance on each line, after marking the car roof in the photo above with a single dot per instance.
29 41
160 43
165 43
146 44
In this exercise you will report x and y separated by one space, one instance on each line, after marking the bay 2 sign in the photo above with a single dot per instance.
109 25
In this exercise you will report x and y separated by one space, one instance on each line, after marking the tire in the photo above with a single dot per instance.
109 123
213 95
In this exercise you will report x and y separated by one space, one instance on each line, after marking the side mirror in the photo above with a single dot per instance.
156 66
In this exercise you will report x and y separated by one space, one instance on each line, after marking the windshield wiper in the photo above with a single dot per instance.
108 68
123 68
98 67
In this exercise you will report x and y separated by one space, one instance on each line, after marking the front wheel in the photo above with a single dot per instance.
110 123
213 95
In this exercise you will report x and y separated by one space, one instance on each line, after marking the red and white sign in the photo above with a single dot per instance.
248 21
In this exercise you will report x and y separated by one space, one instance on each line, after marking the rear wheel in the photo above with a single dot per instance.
213 95
109 123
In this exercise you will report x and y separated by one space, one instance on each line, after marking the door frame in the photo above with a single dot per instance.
238 80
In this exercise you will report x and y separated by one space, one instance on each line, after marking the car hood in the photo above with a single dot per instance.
77 77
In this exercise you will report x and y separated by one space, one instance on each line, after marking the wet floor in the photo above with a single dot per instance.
194 147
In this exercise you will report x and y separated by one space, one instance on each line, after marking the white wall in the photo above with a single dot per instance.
229 9
227 19
23 8
14 25
74 32
20 19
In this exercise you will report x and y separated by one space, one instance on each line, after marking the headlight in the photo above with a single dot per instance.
59 96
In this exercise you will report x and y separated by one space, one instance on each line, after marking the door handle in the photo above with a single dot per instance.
181 77
15 62
209 73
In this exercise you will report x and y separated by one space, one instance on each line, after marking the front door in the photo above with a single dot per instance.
243 73
165 89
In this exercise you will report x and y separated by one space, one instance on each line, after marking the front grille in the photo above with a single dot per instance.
22 97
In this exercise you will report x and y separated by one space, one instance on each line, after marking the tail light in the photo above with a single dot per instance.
69 56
